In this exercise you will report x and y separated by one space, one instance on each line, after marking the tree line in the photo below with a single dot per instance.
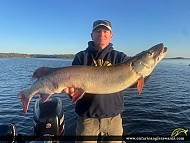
18 55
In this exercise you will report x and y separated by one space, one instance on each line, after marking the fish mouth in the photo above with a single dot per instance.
162 53
164 50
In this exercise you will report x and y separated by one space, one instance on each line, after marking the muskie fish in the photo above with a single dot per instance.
96 80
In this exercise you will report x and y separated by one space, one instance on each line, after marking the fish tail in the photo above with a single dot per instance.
25 101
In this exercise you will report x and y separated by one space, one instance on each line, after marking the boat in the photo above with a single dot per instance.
48 123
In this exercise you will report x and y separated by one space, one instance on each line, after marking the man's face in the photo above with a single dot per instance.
101 36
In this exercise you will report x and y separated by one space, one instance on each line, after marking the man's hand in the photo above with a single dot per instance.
70 91
74 93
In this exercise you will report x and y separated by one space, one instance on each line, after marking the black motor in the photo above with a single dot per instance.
7 133
49 117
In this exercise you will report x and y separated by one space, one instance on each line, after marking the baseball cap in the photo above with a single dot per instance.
105 23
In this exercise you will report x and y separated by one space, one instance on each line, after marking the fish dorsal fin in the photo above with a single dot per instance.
140 84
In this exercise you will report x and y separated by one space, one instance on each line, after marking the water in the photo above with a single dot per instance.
162 107
164 103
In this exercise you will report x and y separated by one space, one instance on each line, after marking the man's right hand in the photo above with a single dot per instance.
74 93
70 91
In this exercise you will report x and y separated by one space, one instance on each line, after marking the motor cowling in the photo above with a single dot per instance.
7 132
49 117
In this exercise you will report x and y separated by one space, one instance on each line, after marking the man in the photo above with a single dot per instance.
98 114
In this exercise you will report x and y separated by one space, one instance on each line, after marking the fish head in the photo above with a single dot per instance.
145 62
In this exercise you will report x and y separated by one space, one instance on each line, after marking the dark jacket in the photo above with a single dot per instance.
99 106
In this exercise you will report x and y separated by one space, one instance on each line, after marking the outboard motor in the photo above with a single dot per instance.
49 117
7 133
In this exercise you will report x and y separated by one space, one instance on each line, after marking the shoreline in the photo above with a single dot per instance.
18 55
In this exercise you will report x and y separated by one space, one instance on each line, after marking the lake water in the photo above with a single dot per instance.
163 106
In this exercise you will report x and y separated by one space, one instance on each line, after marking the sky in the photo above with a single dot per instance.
64 26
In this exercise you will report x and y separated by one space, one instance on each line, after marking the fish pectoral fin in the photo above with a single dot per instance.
140 84
25 102
78 94
44 97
